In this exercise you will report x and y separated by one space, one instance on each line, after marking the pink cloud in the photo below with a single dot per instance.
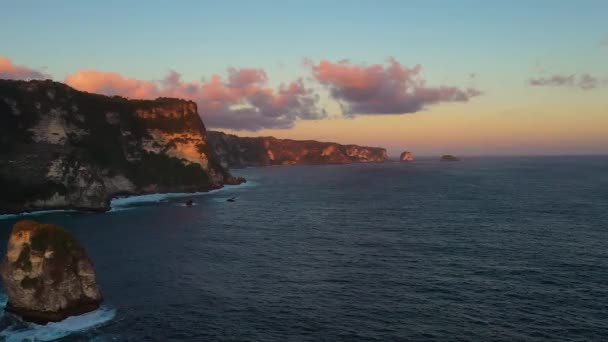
239 78
11 71
383 89
243 101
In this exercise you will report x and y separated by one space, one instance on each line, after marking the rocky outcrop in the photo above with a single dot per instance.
237 152
65 149
406 156
235 180
47 274
449 157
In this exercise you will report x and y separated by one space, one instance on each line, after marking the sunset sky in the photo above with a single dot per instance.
432 77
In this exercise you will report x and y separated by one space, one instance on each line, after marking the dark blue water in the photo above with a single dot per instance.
484 249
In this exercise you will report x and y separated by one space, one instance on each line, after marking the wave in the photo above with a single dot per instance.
123 203
157 197
35 213
23 331
247 184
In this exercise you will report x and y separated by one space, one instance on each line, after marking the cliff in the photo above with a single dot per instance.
237 152
62 148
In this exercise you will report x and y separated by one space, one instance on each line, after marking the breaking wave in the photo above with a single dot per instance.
34 213
125 203
12 329
122 203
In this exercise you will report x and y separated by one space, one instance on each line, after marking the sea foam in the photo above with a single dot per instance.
119 203
127 201
19 331
123 203
33 213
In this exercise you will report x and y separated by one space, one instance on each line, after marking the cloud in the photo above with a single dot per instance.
111 83
583 81
383 89
243 101
11 71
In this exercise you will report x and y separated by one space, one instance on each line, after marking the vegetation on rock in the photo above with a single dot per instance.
47 274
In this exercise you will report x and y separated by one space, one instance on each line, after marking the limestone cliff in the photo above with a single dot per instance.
237 152
47 274
62 148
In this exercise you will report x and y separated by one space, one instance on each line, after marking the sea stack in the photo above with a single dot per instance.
449 157
406 156
47 274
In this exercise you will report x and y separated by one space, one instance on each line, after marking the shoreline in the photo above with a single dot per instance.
118 202
121 201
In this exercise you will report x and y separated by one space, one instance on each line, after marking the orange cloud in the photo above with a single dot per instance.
242 102
11 71
110 83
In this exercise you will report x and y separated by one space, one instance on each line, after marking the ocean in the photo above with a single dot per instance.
486 249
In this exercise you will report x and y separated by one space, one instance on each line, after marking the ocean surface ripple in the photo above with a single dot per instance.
486 249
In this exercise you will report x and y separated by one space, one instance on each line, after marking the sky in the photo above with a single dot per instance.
432 77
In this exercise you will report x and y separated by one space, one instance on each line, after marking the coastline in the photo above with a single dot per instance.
122 201
312 164
119 201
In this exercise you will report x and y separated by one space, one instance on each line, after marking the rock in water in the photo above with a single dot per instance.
406 156
47 274
235 180
449 157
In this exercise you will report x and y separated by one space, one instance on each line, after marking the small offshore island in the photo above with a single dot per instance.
406 156
449 158
47 274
